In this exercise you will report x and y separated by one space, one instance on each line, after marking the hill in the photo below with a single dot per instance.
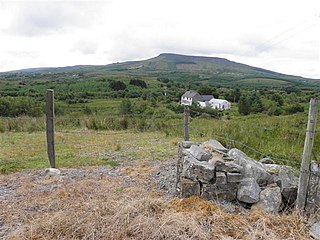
183 68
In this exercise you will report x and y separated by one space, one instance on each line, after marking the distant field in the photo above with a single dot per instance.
259 82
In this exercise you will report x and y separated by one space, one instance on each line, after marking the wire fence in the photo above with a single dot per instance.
86 138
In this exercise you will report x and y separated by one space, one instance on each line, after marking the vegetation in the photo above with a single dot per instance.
126 117
124 97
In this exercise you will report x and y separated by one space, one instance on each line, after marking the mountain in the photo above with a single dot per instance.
176 67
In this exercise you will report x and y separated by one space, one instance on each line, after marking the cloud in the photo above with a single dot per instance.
270 34
41 18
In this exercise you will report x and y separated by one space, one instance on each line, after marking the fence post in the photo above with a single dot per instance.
306 157
186 123
50 128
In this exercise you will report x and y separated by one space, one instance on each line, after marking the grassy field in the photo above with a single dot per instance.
91 140
20 150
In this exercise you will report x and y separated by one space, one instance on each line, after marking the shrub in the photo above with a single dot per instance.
139 83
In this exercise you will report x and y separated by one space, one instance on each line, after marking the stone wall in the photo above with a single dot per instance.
213 172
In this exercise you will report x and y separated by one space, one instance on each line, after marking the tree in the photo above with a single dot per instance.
139 83
117 85
278 99
256 105
244 105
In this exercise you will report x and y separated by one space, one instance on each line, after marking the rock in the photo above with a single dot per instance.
270 200
251 168
189 188
52 171
272 168
248 191
221 178
199 153
228 167
234 177
215 145
267 160
188 144
226 192
196 170
315 231
288 184
313 203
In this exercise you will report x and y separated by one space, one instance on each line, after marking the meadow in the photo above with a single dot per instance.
92 140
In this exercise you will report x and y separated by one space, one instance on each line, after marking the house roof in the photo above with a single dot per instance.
206 97
190 94
218 101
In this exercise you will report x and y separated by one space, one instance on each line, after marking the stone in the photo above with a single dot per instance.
228 167
267 160
196 170
270 200
313 203
52 171
221 178
272 168
288 184
251 168
188 144
315 230
199 153
234 177
226 192
189 188
248 191
215 145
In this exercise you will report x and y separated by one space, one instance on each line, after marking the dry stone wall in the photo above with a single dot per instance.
213 172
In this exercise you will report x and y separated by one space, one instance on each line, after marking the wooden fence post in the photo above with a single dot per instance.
186 123
50 128
306 157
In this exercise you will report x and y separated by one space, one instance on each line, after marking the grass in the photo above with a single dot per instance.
87 141
106 207
19 150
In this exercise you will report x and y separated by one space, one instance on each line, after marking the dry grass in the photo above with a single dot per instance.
108 207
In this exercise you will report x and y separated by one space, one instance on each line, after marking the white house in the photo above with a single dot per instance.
220 104
204 101
190 96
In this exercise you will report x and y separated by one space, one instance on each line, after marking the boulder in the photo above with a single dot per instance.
215 145
197 170
313 203
234 177
226 192
189 188
267 160
248 191
231 167
199 153
188 144
288 183
221 178
315 231
251 168
270 200
52 171
272 168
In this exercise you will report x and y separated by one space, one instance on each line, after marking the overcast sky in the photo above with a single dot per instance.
279 35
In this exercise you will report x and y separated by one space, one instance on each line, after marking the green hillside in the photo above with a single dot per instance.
184 69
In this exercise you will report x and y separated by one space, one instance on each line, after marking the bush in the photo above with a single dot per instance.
117 85
294 109
139 83
17 106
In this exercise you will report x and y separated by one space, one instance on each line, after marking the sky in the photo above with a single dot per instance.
278 35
